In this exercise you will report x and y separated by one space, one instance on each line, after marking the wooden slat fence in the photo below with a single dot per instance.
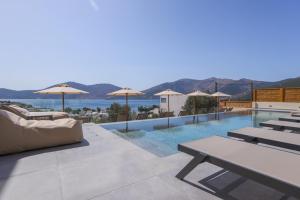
277 95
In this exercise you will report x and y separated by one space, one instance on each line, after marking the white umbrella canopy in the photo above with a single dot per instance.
198 93
220 94
126 92
61 89
168 92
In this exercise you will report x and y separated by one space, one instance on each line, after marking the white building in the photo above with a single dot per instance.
176 103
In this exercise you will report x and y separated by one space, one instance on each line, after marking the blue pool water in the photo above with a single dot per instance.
154 136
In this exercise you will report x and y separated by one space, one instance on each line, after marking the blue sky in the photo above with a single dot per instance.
140 43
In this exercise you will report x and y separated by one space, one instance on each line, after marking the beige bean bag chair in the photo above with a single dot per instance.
18 134
34 115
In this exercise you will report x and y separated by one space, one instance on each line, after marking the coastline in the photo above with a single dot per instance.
82 103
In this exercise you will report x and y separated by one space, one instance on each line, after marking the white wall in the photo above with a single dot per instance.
276 105
176 103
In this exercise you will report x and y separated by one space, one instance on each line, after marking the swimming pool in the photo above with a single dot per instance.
155 136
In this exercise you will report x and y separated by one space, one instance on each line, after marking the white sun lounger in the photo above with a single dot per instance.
271 167
295 114
281 125
270 137
290 119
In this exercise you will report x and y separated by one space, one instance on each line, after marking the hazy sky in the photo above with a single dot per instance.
140 43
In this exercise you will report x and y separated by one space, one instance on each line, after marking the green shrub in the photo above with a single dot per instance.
147 109
116 109
200 105
68 110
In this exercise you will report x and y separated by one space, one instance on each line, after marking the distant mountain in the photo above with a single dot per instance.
240 89
13 94
291 82
96 91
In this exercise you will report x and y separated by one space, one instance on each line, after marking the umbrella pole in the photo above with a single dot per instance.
194 109
126 110
218 108
168 111
63 102
168 103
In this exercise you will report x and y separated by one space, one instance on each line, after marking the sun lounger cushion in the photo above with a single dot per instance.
29 115
16 110
19 109
18 134
55 115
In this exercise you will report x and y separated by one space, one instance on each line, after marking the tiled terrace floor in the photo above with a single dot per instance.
107 167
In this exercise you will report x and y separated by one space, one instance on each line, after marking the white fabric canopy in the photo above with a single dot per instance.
198 93
220 94
168 92
61 89
126 91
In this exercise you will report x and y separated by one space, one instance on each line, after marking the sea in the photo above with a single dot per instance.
81 103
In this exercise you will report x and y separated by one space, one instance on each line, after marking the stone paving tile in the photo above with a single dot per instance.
98 176
18 164
190 192
150 189
43 185
107 167
251 190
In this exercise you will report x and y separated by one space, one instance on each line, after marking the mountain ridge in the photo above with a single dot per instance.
240 89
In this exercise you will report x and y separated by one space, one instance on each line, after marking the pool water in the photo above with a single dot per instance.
155 137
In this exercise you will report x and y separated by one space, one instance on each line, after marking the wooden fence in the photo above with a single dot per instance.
277 95
237 104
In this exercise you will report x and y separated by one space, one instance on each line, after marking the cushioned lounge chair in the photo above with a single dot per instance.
281 125
166 114
34 115
18 134
271 167
142 116
183 113
270 137
295 114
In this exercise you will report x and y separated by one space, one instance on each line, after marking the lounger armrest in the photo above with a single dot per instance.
190 151
41 117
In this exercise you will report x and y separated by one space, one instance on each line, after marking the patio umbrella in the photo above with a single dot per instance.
218 95
195 94
168 93
126 92
62 89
